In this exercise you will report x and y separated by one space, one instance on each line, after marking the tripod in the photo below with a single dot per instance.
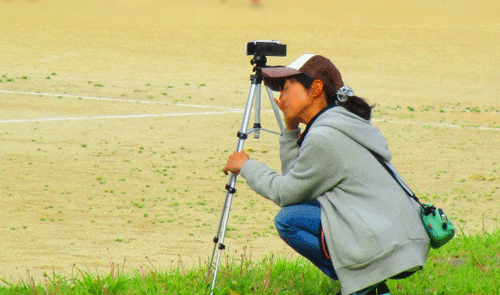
254 97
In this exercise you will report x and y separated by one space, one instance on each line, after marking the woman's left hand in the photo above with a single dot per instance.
236 162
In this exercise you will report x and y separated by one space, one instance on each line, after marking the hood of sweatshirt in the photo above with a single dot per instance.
355 127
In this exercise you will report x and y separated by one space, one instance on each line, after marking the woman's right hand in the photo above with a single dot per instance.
235 162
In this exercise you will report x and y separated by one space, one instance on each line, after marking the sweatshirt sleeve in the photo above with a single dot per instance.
289 149
313 172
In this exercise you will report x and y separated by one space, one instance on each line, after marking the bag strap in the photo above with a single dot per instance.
391 172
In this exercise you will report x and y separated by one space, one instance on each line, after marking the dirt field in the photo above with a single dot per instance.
116 118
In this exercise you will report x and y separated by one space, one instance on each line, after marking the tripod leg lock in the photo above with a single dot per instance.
242 135
222 246
230 189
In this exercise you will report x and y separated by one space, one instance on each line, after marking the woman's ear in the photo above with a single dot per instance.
316 88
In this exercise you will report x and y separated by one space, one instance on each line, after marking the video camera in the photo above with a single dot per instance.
266 48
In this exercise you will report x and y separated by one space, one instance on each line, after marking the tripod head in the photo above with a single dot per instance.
259 62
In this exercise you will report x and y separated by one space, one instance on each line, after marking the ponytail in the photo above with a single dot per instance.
354 104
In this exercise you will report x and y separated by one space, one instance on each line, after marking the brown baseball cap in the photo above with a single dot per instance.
314 66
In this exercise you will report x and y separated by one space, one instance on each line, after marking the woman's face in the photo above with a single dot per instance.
294 99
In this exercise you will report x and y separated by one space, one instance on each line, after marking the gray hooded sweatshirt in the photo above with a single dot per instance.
372 227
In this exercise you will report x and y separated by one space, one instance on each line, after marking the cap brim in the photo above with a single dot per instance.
274 77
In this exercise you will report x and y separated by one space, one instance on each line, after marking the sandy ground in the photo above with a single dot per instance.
116 118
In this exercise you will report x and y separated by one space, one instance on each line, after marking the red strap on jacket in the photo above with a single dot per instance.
324 249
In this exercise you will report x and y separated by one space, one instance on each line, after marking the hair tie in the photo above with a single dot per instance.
344 93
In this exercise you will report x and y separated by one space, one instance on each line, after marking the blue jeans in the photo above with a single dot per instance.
299 226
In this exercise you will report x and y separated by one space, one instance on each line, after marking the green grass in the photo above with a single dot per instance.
466 265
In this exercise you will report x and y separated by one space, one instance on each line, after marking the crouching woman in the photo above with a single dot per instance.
340 208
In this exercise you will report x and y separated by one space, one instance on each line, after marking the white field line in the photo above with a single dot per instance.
117 99
117 117
55 57
437 125
227 111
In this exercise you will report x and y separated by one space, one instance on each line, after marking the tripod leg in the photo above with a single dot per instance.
224 220
275 109
216 238
230 187
256 125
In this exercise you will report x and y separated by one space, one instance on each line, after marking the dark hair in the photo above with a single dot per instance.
354 104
